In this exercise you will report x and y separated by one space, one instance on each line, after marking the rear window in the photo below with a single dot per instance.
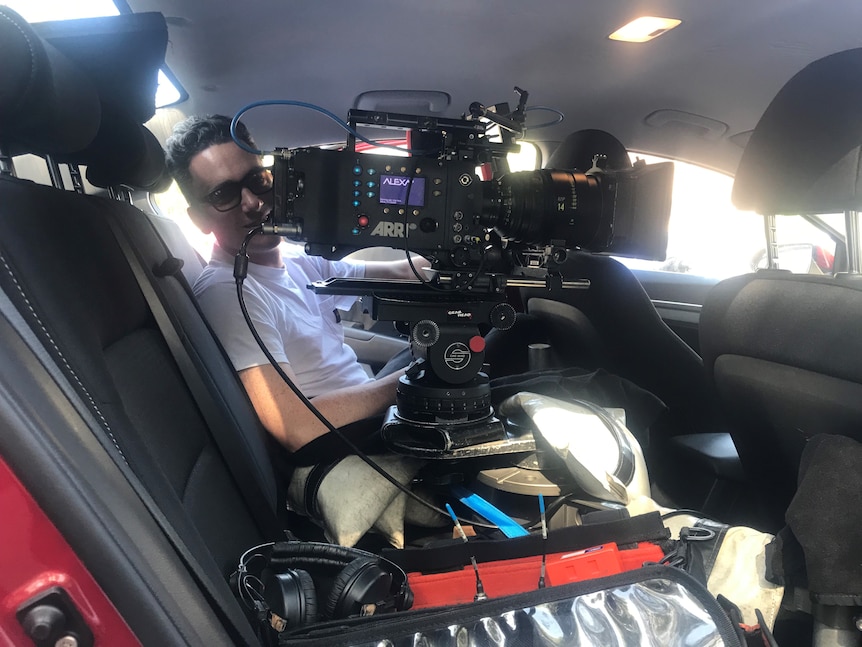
708 236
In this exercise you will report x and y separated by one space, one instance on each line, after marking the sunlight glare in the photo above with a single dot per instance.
42 10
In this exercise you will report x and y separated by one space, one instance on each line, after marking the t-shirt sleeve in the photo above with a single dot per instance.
220 305
343 269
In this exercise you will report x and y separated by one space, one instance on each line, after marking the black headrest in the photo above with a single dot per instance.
578 149
47 105
804 154
121 54
80 89
126 153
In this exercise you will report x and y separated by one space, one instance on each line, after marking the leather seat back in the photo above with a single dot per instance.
784 351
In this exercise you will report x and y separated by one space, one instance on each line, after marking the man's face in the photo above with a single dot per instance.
232 194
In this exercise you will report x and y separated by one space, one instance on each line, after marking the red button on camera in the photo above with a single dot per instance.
477 343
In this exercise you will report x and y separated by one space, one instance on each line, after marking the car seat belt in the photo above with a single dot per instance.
206 574
254 495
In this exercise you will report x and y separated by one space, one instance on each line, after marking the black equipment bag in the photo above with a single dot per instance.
304 594
654 605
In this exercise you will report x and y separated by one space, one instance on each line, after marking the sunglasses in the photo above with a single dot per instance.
228 195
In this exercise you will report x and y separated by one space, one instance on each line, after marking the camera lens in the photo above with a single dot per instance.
567 208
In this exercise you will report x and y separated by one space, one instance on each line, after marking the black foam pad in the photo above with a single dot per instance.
361 582
292 595
334 558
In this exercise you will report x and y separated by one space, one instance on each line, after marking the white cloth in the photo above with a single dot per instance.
353 498
297 326
739 569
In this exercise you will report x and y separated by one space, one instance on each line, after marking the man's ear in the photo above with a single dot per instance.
200 219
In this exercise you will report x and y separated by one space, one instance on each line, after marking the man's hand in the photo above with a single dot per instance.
285 416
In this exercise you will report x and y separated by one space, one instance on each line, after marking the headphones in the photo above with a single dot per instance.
307 582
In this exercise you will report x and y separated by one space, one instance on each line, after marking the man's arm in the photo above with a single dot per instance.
397 269
289 420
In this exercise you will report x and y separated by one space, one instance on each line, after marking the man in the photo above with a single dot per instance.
229 192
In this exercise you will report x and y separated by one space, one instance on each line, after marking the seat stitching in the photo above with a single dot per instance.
30 44
62 357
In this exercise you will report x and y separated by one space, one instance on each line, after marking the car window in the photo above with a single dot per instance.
708 236
525 159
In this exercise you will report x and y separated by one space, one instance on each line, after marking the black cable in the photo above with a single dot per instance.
560 118
303 104
240 271
430 285
550 510
416 273
681 511
458 288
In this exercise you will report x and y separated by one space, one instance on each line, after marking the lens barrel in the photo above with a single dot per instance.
561 207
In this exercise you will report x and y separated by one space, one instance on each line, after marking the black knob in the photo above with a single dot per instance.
460 256
426 333
502 316
43 621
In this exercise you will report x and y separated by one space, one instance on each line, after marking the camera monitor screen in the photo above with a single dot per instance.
393 190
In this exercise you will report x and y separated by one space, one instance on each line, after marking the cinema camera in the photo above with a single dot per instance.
483 229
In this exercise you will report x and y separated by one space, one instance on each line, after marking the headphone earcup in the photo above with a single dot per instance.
361 582
292 596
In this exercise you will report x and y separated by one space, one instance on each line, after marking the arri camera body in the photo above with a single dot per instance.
434 203
482 228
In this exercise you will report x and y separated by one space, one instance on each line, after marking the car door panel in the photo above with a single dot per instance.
678 299
371 348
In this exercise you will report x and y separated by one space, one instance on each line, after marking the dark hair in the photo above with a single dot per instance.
196 134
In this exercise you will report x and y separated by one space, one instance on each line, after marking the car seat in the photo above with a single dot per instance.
74 270
613 325
783 351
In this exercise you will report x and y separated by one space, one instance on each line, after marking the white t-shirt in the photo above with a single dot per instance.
297 326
